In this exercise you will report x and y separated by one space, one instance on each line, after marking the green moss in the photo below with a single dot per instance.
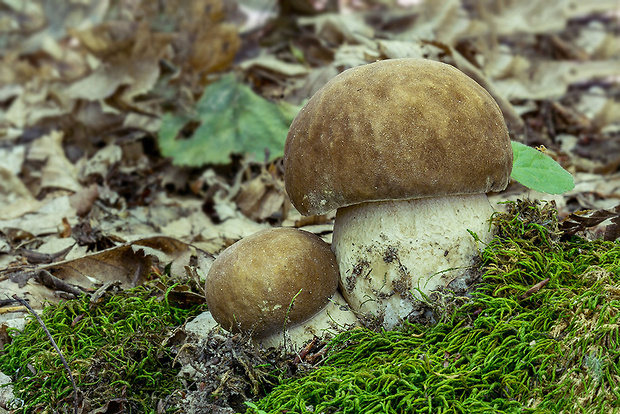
508 349
116 349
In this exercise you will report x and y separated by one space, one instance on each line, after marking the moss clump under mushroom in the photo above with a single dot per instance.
516 345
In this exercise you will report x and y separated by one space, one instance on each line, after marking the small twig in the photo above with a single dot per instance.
534 289
314 358
4 302
96 297
47 279
62 358
305 351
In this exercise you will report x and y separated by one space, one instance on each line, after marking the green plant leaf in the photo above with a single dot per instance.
538 171
231 119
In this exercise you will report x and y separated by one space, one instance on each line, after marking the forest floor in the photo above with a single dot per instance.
139 139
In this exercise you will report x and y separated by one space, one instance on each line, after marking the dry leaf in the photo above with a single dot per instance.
45 218
129 263
57 171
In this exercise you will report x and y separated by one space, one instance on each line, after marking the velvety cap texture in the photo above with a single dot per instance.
395 129
271 279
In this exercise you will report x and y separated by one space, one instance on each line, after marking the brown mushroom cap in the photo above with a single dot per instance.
395 129
252 284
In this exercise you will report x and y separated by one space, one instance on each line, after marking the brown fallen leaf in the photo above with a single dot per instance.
129 263
581 221
119 263
263 196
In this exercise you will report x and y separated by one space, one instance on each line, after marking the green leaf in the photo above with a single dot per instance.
232 119
538 171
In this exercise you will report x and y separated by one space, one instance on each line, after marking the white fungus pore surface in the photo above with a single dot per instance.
388 250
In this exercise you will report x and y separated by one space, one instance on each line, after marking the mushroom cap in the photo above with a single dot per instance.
394 130
271 279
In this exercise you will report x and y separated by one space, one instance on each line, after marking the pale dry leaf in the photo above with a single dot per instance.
12 189
142 122
4 249
534 16
607 187
188 227
38 296
56 248
598 107
338 28
99 165
96 116
275 65
500 63
349 56
10 91
595 40
217 237
396 49
176 253
33 105
272 203
180 228
256 14
137 76
313 82
250 195
45 217
444 21
551 79
57 172
12 158
201 325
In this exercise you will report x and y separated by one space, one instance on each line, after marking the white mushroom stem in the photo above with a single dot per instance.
389 252
334 318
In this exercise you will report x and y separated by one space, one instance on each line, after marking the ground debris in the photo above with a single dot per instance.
223 371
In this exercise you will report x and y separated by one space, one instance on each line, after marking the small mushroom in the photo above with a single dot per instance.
405 150
277 282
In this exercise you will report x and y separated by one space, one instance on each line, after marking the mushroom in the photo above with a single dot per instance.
405 150
277 283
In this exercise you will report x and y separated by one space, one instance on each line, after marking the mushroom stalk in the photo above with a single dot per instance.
326 323
391 253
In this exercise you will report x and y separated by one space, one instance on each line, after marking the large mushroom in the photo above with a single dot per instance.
278 284
405 150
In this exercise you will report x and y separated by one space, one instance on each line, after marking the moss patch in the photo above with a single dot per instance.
118 349
521 343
